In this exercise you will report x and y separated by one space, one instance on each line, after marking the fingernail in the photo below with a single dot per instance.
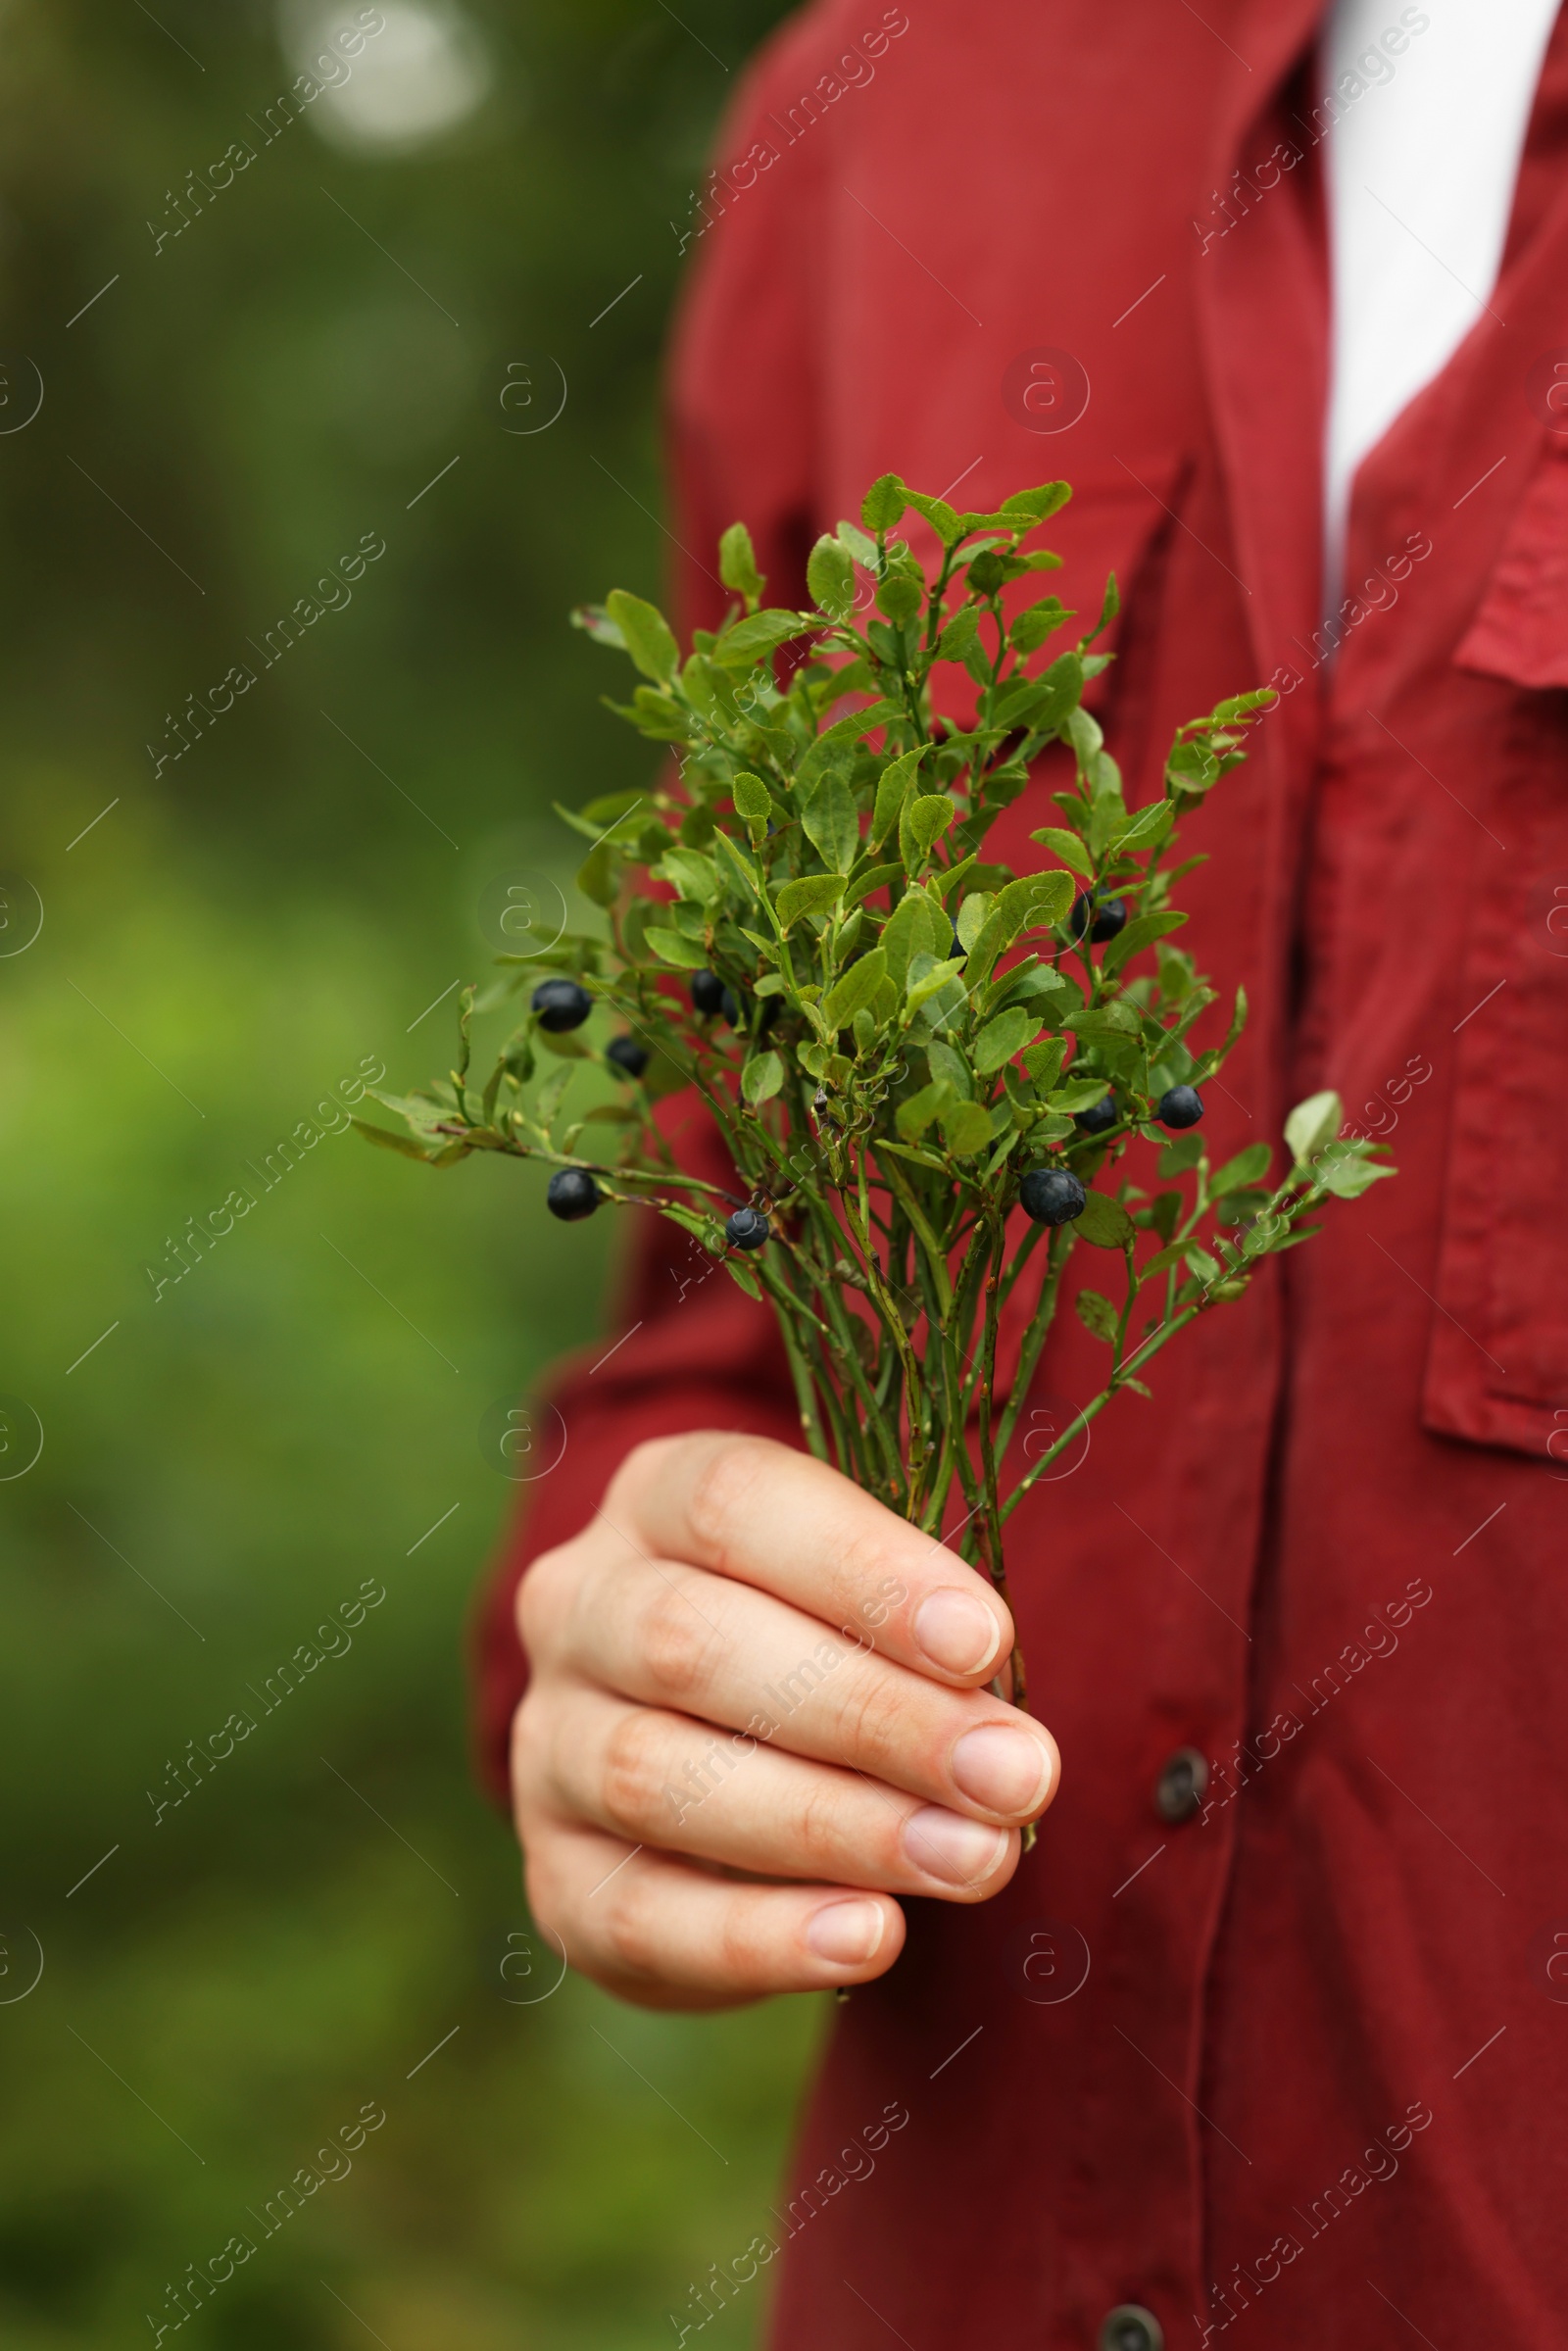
1005 1770
956 1630
845 1933
945 1844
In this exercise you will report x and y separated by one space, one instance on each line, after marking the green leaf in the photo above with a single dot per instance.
814 893
647 634
742 1276
943 519
1045 1059
854 541
877 878
1004 1037
1180 1153
1056 697
702 1227
1146 828
1105 1222
1164 1260
1096 1314
830 577
855 989
597 875
1036 902
831 824
671 947
737 563
1068 847
891 785
610 807
965 1129
754 805
901 594
1035 505
657 716
912 1118
758 635
389 1141
1141 932
924 983
591 830
566 1046
1312 1124
1109 610
738 868
916 925
761 1078
1245 1168
1346 1169
1115 1020
884 503
972 918
694 877
920 1158
959 636
1039 621
1192 767
1081 1094
921 823
949 1067
552 1094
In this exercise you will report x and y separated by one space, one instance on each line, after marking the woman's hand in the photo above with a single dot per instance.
756 1712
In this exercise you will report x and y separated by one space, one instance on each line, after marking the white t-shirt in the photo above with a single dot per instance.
1432 105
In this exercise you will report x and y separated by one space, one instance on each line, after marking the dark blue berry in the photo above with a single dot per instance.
562 1003
572 1195
741 1011
707 992
1098 1117
1182 1106
747 1228
627 1054
1105 919
1051 1195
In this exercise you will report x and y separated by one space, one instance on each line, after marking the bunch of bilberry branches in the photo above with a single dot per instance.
934 1077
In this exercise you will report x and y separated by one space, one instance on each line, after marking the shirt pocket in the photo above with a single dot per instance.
1497 1362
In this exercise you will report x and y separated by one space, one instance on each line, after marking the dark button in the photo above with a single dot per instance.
1179 1791
1131 2327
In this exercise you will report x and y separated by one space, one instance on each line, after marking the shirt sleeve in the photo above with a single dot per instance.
687 1349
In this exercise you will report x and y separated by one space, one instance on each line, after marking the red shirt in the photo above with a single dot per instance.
1296 2064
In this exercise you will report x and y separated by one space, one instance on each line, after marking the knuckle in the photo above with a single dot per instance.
543 1597
818 1833
523 1756
877 1720
861 1570
632 1776
722 1491
675 1644
641 1467
738 1940
542 1887
632 1942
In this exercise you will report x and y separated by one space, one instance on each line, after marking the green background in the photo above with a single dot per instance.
223 944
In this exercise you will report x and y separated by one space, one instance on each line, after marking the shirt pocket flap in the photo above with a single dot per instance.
1520 630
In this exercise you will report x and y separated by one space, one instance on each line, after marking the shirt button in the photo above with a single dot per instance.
1179 1789
1131 2327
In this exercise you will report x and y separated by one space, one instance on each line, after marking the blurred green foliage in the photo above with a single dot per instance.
232 413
